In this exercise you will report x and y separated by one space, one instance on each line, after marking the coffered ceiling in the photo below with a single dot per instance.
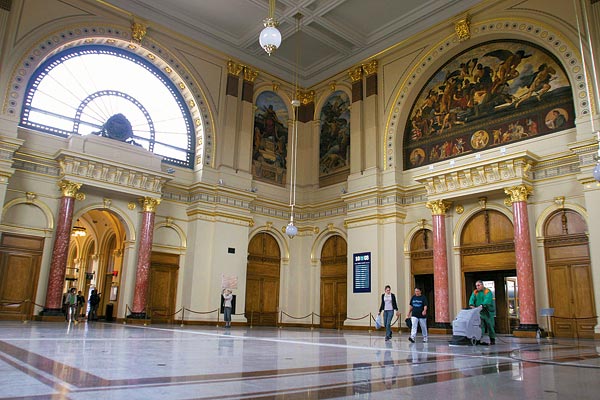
334 35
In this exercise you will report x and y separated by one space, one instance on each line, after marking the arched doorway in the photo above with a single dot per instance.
98 263
262 280
334 286
421 268
487 252
568 266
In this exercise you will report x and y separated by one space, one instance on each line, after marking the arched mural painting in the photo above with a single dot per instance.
489 95
269 154
334 143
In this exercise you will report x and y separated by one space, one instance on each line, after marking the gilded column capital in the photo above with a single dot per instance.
438 207
462 28
370 68
306 97
355 74
68 188
250 74
149 204
234 68
518 193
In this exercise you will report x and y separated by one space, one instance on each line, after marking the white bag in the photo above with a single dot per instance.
378 321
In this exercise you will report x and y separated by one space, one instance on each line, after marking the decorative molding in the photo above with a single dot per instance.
438 207
355 74
518 193
462 28
250 74
68 188
370 68
111 175
476 178
234 68
138 32
306 96
149 204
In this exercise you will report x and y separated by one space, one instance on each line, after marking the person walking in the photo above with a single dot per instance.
94 302
71 303
484 298
418 315
388 306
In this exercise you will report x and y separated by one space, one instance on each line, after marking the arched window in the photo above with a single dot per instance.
78 90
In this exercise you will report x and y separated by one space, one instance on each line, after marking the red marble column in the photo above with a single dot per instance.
58 264
144 253
527 310
440 262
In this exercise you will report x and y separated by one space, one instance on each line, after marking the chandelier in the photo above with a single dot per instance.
270 37
292 230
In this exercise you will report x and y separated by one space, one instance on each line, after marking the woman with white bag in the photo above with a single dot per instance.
388 306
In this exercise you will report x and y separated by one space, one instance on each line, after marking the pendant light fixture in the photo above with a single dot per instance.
270 37
292 230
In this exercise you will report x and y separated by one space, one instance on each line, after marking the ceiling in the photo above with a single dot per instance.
333 35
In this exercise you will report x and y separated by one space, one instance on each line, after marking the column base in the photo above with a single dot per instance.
441 328
137 315
52 312
526 330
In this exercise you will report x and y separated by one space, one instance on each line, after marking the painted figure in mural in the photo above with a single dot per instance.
480 89
334 152
270 137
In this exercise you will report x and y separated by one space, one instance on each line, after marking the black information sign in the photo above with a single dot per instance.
362 272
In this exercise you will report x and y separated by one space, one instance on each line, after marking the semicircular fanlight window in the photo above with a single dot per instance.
84 90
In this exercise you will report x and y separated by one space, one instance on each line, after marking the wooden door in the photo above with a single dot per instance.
571 297
570 289
262 281
20 259
162 287
334 285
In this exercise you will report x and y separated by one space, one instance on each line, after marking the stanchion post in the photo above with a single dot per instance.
182 315
251 318
370 322
312 321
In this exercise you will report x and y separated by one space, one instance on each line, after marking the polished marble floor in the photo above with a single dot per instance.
51 360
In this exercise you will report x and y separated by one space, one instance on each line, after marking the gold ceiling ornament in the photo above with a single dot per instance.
131 205
330 227
149 204
438 207
68 188
462 28
234 68
169 221
107 202
355 74
306 97
80 196
332 86
508 202
269 225
518 193
370 68
30 196
250 74
482 202
138 32
276 86
459 209
560 201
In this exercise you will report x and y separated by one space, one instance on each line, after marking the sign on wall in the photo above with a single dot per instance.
362 272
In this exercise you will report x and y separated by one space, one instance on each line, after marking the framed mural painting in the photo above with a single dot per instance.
334 140
490 95
270 139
